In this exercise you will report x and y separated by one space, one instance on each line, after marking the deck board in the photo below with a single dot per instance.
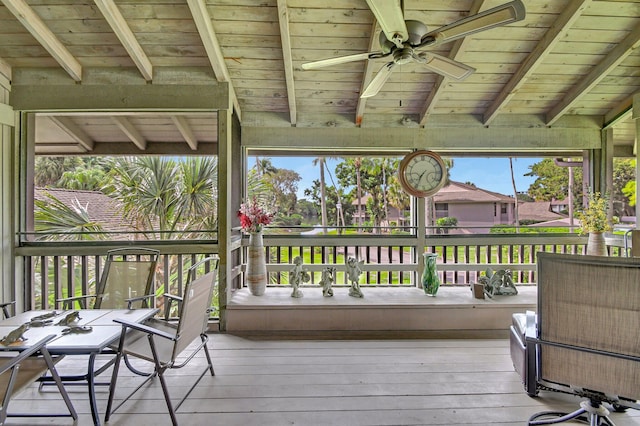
333 382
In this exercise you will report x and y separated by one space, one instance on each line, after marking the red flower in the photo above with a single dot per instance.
253 217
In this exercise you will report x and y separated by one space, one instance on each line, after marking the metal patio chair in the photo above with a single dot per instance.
583 340
161 343
126 282
21 370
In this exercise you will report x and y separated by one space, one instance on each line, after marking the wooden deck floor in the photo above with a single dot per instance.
333 382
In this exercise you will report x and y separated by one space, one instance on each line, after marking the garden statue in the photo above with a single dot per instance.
498 283
297 276
328 275
354 269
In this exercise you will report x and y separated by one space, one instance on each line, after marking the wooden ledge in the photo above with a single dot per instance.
387 311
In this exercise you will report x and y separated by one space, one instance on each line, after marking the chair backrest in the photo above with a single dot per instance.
196 302
128 272
19 371
593 303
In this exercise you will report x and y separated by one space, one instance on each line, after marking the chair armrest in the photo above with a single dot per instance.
531 327
168 300
132 300
67 302
145 329
4 307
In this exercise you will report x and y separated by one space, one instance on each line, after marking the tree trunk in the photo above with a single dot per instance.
515 195
323 198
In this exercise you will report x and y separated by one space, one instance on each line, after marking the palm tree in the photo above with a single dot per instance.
357 162
165 194
49 170
515 194
323 198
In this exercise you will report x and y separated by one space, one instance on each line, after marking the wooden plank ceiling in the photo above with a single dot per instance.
567 57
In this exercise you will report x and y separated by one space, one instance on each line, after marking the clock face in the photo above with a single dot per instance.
422 173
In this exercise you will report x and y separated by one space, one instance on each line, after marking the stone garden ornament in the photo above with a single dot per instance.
498 283
297 276
326 281
354 269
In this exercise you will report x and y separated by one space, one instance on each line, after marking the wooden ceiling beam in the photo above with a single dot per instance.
185 130
32 22
465 140
74 131
130 130
202 19
555 34
619 53
122 30
439 86
285 37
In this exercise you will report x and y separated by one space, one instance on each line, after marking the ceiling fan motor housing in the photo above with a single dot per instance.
416 30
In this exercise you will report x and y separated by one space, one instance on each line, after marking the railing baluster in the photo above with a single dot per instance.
44 278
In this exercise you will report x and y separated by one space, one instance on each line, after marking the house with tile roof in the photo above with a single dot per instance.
537 212
101 209
476 209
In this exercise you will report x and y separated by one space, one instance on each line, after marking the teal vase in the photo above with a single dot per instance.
430 280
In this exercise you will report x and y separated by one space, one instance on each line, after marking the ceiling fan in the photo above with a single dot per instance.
402 39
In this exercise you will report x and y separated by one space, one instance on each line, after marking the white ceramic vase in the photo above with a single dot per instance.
596 245
256 273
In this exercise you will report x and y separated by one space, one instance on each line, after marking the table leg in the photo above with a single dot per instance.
92 390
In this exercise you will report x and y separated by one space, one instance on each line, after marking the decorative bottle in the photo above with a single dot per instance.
430 280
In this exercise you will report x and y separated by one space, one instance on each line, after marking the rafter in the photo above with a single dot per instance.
440 84
5 68
185 130
120 27
130 130
74 131
600 71
208 36
5 75
285 37
620 112
366 75
32 22
556 33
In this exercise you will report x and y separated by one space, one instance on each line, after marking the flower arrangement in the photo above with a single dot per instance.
253 217
594 217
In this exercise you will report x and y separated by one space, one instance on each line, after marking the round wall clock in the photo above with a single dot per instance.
422 173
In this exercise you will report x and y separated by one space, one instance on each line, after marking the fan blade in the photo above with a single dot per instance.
501 15
391 20
339 60
447 67
378 81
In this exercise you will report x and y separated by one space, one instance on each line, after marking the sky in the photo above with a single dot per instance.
492 174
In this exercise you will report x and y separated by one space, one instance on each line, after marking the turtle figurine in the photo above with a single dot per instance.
15 335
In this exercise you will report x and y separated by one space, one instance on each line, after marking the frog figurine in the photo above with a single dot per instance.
70 318
15 335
